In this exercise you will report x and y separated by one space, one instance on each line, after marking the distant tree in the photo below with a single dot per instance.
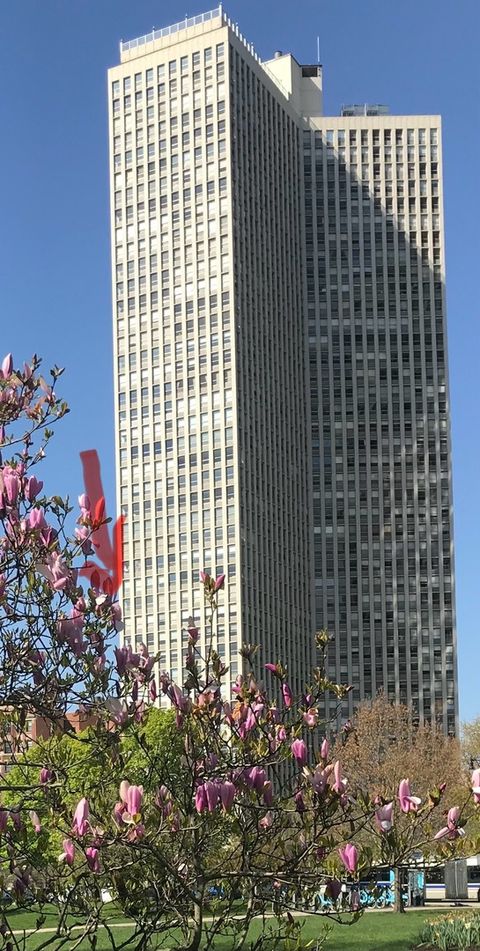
381 745
471 743
148 752
153 749
381 749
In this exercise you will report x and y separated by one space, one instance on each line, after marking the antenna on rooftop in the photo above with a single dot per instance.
318 49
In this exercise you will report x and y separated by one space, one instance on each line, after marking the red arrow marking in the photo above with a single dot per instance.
109 553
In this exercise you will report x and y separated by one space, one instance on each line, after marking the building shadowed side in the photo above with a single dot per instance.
382 492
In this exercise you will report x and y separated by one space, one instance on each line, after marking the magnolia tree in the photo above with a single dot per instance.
256 816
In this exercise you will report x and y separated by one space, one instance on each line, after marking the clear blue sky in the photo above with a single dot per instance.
418 56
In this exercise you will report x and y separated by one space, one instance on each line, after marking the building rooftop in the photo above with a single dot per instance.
136 46
365 109
187 23
184 24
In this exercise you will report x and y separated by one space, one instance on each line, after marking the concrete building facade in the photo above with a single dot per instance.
281 384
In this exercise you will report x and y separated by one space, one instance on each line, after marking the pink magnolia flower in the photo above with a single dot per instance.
219 582
287 695
384 817
227 794
91 855
320 777
134 799
16 818
117 710
192 631
310 717
152 690
35 821
82 534
267 821
452 829
68 854
325 749
136 832
200 799
7 366
299 802
116 612
273 668
56 571
238 685
476 785
11 484
178 698
164 802
453 816
268 793
84 505
349 856
299 751
123 791
32 487
145 662
122 657
140 711
36 520
45 776
212 794
255 778
339 784
70 631
251 720
408 803
80 819
119 810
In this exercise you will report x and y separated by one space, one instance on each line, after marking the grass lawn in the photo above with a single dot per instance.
379 931
21 918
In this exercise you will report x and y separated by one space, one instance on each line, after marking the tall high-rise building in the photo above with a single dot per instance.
379 402
281 385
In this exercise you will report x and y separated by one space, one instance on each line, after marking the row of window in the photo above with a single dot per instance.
372 136
172 68
199 193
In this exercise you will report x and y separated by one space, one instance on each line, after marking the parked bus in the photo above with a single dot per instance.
425 882
435 880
